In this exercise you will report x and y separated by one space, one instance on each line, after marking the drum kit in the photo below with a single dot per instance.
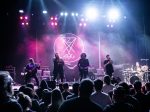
141 73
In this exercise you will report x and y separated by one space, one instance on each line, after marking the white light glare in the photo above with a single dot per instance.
91 13
61 13
21 11
66 14
44 12
77 14
72 14
113 14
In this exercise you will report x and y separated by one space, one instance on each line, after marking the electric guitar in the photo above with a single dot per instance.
31 71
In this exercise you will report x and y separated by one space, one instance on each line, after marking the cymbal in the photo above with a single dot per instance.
126 71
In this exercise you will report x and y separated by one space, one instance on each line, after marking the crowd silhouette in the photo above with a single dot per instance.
100 95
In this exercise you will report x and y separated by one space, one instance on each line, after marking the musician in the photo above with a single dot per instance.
31 71
83 65
58 70
137 67
108 66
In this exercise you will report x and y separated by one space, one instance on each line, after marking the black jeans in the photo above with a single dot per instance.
83 74
58 74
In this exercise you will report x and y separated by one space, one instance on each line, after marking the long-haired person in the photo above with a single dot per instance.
56 101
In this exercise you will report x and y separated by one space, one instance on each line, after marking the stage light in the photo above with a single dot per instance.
61 13
72 14
125 17
22 23
66 14
107 25
27 23
21 17
111 25
113 15
80 24
52 23
84 24
24 20
56 24
26 17
91 13
77 14
44 12
52 18
82 19
21 11
55 18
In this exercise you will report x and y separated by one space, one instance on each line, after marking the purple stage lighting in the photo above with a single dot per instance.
21 17
56 23
23 24
84 24
27 23
80 24
26 17
55 18
52 18
52 23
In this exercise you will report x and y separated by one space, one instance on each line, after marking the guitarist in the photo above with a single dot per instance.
83 65
31 71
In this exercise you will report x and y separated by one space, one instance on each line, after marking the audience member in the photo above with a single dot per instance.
83 102
46 100
61 87
31 85
108 86
99 97
75 91
22 88
130 99
51 84
35 102
147 88
118 102
43 85
25 101
56 101
140 96
66 91
7 103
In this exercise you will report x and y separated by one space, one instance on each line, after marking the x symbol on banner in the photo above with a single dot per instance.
69 42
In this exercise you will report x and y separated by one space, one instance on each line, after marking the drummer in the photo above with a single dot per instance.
137 67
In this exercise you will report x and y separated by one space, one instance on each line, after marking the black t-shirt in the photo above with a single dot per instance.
143 101
79 105
119 107
58 66
108 67
83 63
10 105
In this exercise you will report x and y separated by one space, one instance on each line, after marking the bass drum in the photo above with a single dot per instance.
133 79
